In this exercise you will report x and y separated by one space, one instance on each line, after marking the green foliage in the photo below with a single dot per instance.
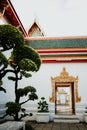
33 96
26 52
27 75
11 78
24 91
27 65
13 108
10 36
23 110
43 105
3 59
22 60
3 65
29 90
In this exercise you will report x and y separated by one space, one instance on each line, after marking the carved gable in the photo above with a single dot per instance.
35 30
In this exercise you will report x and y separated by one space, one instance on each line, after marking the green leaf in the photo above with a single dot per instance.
27 65
24 91
13 108
33 96
26 52
24 73
3 59
10 36
11 78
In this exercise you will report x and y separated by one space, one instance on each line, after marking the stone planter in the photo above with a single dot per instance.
85 117
2 112
42 117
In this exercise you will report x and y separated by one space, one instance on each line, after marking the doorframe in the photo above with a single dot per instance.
66 84
65 78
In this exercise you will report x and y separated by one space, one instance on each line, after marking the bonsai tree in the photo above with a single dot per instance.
22 61
9 38
43 105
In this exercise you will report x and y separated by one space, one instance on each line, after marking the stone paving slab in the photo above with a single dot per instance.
58 126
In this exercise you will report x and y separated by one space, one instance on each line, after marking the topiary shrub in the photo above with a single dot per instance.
10 36
22 61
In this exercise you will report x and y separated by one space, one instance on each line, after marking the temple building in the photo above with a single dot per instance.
62 76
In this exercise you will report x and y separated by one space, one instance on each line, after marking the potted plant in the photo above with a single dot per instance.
43 111
85 115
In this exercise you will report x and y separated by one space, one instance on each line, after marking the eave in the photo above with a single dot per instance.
60 49
11 16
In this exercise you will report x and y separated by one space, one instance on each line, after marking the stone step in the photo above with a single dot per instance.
66 118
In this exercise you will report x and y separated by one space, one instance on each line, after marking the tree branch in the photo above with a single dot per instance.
24 102
5 72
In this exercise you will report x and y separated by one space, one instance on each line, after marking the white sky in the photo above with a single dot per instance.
56 17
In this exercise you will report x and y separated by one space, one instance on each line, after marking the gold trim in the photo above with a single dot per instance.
55 38
64 78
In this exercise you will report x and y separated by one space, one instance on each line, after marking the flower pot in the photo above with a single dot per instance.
42 117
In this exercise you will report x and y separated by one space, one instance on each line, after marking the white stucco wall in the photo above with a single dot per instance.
41 80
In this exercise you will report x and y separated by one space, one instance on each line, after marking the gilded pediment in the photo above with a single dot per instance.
64 77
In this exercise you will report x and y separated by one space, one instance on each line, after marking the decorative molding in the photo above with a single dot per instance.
64 78
60 49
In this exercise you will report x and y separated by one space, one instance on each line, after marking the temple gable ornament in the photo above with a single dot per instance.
64 80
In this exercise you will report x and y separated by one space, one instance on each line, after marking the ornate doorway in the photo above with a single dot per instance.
64 93
64 98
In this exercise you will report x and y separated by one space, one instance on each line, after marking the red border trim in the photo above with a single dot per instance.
65 61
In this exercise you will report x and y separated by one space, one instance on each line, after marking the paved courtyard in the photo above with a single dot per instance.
58 126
